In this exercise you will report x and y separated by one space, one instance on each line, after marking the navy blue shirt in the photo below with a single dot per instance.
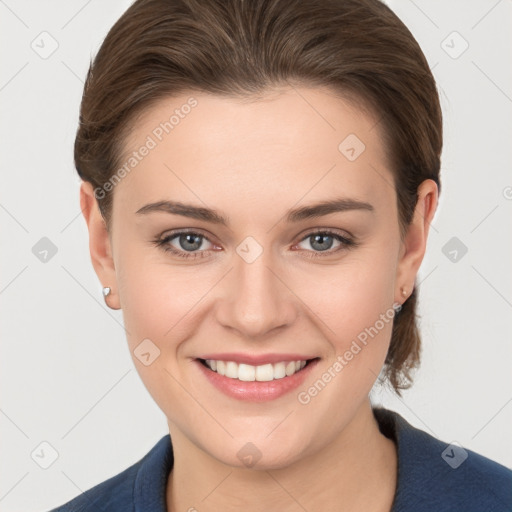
433 476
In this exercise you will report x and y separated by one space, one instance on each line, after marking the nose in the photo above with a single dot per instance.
256 299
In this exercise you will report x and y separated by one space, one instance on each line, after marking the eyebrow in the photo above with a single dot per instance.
295 215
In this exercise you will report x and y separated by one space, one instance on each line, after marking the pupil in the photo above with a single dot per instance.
321 240
190 239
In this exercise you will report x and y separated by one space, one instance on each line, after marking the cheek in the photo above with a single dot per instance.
158 298
354 307
159 305
356 312
351 297
155 295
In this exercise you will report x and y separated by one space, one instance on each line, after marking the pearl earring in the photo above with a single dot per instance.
404 292
106 291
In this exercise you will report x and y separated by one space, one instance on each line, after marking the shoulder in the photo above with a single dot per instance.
124 490
441 476
112 494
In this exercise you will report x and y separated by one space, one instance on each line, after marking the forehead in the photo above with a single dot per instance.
285 145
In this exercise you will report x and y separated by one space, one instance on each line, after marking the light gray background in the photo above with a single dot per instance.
66 374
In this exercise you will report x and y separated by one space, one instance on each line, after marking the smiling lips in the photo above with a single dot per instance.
256 378
260 373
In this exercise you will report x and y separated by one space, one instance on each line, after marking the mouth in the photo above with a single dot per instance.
256 373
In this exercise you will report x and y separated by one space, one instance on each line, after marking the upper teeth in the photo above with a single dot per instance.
247 372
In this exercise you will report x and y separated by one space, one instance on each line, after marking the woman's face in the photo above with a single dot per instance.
262 284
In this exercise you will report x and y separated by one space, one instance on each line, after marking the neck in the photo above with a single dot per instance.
356 472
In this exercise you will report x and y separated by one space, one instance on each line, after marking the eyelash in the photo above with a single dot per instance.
163 243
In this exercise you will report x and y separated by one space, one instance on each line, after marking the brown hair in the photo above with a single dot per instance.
358 48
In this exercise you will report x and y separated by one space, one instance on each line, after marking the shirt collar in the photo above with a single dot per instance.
413 466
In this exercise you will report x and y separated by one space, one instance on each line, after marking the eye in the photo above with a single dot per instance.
190 244
322 241
184 244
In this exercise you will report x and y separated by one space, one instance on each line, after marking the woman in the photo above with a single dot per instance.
259 179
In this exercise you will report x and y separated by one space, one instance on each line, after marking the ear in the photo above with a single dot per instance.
415 241
100 245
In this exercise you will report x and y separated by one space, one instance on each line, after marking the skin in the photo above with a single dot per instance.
253 161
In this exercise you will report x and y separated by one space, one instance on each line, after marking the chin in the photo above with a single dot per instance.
258 454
